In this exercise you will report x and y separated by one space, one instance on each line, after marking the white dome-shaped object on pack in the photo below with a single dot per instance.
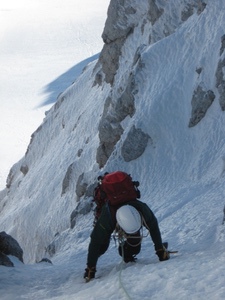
128 218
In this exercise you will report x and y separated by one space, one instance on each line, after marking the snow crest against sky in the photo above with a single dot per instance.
44 46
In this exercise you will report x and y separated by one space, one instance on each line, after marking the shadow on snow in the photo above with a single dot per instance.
61 83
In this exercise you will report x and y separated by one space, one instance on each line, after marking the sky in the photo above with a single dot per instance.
181 172
44 46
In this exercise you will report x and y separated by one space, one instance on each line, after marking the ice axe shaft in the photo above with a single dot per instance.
172 252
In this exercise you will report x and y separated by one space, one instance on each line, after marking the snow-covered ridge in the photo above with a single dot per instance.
135 116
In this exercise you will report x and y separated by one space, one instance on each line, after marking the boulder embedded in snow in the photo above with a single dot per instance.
220 83
9 246
222 44
82 208
220 75
24 169
45 260
68 179
134 144
81 186
201 101
109 134
5 261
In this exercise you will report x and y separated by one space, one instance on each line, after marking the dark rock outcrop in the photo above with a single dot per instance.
201 101
220 75
5 261
45 260
134 144
9 246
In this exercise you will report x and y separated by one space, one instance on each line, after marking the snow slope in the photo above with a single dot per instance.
44 46
181 174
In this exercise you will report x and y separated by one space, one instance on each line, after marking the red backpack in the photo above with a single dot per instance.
115 188
119 188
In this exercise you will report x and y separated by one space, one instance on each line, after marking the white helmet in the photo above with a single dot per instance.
128 219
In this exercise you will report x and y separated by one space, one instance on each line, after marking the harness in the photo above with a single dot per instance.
121 236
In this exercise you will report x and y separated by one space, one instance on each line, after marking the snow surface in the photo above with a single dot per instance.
181 175
44 47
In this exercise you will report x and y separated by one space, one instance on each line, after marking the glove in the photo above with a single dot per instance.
163 253
89 273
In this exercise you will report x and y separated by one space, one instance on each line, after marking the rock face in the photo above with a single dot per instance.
9 246
146 23
120 23
123 17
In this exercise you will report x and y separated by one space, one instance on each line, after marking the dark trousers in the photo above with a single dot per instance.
131 247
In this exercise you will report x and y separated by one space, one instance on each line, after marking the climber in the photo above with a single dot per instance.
108 217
